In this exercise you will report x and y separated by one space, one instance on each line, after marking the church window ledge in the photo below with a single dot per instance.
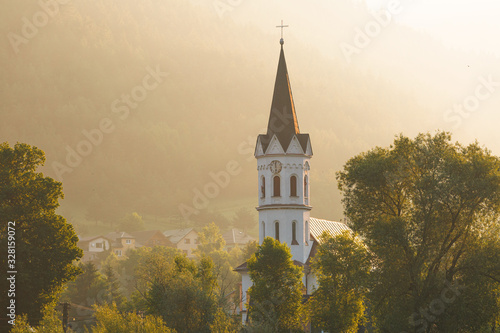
294 242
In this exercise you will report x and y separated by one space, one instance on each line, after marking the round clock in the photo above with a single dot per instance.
275 166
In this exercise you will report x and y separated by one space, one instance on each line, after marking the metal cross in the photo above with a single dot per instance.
282 26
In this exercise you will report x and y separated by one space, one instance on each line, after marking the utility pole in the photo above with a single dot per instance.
66 306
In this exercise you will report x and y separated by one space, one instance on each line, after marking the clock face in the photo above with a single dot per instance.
275 166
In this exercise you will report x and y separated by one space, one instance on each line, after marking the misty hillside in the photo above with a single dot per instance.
211 101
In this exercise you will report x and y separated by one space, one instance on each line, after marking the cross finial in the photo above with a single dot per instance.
282 26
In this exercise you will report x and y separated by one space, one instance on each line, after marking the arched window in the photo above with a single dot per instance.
263 187
294 233
293 186
263 230
306 191
276 186
306 234
277 230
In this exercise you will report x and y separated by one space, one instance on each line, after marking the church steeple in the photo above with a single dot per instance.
283 155
282 119
283 122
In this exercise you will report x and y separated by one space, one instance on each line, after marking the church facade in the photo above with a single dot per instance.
283 163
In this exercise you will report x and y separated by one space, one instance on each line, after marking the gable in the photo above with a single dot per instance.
294 147
259 151
275 147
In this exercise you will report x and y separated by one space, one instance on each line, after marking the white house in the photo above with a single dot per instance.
283 162
91 246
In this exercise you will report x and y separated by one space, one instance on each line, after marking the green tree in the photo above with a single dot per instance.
425 207
132 222
45 243
341 266
180 290
223 323
210 240
276 294
112 285
88 288
211 245
50 323
110 320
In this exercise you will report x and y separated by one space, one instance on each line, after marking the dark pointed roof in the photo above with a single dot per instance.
283 119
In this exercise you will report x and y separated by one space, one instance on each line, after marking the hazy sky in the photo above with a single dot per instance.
433 66
470 25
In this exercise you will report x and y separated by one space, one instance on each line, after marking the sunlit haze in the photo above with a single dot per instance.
202 73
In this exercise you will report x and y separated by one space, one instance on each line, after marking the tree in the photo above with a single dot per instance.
132 222
50 323
181 291
110 320
341 267
276 295
425 207
223 323
112 284
45 244
89 288
210 240
211 245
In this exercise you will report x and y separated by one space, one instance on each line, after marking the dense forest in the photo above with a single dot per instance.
211 102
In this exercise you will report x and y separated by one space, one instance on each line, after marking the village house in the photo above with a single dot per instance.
236 237
183 239
121 242
92 246
151 238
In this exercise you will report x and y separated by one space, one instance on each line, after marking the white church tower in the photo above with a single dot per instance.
283 155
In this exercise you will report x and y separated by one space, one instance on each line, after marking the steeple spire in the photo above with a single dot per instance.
283 122
282 119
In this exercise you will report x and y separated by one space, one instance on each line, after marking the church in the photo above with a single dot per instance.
283 162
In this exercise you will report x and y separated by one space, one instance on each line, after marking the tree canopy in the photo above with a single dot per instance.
45 244
341 266
427 208
276 294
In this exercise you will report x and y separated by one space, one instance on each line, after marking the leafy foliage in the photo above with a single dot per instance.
427 208
341 266
181 291
276 294
45 243
50 323
109 320
132 222
222 323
